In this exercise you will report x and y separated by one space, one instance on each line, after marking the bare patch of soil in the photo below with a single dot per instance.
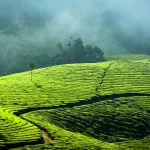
46 137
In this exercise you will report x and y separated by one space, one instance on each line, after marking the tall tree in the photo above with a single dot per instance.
32 67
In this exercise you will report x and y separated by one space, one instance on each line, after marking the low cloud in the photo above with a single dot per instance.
116 26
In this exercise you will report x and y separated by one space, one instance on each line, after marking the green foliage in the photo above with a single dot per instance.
104 120
77 53
15 130
64 139
82 106
32 67
126 57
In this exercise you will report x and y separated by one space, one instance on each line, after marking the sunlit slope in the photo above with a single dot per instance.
127 77
111 120
124 122
51 86
71 83
14 130
94 95
64 139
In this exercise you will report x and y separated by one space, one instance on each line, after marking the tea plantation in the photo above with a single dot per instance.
89 106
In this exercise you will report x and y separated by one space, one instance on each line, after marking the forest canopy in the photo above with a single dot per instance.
77 53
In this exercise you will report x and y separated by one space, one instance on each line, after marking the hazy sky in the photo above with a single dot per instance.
114 25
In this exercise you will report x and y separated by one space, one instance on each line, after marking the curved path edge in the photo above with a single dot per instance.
94 99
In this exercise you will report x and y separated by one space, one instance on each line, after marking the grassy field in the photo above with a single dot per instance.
78 106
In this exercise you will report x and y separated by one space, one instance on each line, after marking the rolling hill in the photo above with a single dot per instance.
78 106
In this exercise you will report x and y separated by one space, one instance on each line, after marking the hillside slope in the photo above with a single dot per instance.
80 106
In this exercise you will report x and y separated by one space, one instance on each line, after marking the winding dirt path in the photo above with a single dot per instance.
47 139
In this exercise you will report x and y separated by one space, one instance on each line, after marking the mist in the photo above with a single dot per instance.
116 26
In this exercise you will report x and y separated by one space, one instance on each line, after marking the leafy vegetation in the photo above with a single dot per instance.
107 120
126 57
81 106
32 67
15 130
77 53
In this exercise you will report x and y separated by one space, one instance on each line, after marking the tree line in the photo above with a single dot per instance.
74 52
77 53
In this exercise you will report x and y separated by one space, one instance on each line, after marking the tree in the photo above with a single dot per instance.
77 53
60 47
32 67
70 44
98 54
89 53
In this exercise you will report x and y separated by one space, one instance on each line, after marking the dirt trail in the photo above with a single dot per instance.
46 137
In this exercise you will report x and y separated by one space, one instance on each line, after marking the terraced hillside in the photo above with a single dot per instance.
78 106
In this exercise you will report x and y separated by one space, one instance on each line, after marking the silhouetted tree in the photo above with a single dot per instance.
89 53
70 43
99 54
60 47
78 51
32 67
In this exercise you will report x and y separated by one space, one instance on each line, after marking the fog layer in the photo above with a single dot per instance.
117 26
